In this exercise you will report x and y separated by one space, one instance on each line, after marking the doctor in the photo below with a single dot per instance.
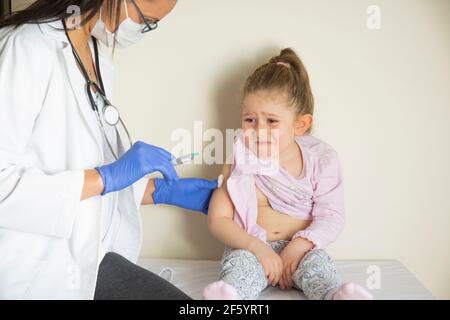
71 179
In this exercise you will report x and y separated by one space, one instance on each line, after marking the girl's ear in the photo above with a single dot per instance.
303 124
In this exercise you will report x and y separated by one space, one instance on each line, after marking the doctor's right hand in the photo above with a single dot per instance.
140 160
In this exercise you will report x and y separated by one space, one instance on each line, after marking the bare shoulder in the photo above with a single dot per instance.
226 171
221 204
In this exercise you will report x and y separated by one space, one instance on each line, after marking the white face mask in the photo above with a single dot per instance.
128 32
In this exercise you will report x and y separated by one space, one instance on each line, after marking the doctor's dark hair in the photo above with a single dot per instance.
53 10
284 74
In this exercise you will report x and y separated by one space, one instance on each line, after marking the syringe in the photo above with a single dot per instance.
187 159
184 159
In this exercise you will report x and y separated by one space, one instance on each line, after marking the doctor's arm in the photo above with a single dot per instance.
147 198
93 184
141 160
32 199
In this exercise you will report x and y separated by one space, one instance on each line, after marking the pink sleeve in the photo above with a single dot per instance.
328 204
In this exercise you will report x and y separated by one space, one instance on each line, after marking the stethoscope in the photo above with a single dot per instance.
110 113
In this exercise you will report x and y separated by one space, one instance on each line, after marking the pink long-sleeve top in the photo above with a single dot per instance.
317 194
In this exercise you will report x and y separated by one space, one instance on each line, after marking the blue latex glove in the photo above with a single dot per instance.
189 193
137 162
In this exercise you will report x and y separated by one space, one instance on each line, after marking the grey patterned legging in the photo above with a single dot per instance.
316 274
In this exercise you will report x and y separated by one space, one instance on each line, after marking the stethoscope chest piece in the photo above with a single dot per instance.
111 115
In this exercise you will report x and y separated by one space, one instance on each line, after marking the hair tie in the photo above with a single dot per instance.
285 64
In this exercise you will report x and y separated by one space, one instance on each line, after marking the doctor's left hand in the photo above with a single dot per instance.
190 193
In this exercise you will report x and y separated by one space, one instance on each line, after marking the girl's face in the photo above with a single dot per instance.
270 124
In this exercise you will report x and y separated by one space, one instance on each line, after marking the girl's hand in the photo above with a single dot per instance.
269 259
291 256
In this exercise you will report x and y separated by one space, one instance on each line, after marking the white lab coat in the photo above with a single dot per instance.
49 239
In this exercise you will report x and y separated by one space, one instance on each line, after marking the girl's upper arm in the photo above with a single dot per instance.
221 205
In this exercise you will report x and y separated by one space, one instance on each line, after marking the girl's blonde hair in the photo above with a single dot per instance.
284 73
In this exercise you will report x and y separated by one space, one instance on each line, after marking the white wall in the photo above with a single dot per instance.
382 100
20 4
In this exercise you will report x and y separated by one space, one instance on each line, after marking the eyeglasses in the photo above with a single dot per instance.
150 24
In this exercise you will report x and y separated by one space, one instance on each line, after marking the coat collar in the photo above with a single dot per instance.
55 30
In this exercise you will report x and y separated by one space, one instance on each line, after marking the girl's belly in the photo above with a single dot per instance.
278 225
